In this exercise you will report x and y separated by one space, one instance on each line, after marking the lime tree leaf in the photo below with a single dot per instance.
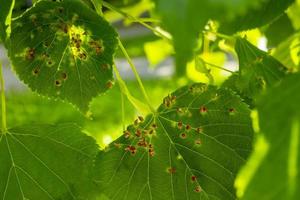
46 162
191 148
98 6
64 50
277 177
191 16
279 30
6 7
266 12
288 52
257 70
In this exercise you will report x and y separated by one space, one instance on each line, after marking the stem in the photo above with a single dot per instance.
122 108
134 19
137 76
220 35
222 68
145 20
98 6
3 102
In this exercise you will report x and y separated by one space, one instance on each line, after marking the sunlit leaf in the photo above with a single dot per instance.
157 51
277 176
288 52
191 149
6 7
64 50
46 162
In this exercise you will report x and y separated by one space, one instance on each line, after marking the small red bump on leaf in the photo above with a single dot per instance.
109 84
151 132
30 54
136 122
131 149
36 71
151 151
58 83
171 170
193 178
142 143
203 110
154 126
180 125
188 127
198 189
141 118
138 133
199 130
64 76
126 134
183 135
198 142
231 111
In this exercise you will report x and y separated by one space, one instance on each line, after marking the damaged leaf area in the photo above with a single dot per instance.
64 50
191 148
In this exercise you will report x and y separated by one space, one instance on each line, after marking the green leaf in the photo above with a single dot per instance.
191 16
5 18
258 70
279 30
277 177
191 148
266 12
64 50
288 52
46 162
98 6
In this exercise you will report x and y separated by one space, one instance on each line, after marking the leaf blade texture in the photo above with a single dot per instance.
46 162
279 120
257 71
192 149
64 50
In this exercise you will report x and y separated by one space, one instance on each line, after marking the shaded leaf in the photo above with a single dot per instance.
258 70
46 162
64 50
279 30
278 174
191 16
266 12
192 148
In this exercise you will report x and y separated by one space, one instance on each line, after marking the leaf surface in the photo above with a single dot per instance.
191 149
278 174
5 18
64 50
266 12
258 70
185 20
46 162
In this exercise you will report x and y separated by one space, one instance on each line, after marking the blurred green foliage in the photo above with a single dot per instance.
106 119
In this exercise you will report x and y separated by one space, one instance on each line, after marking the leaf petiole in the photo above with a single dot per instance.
3 101
134 19
133 68
218 67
